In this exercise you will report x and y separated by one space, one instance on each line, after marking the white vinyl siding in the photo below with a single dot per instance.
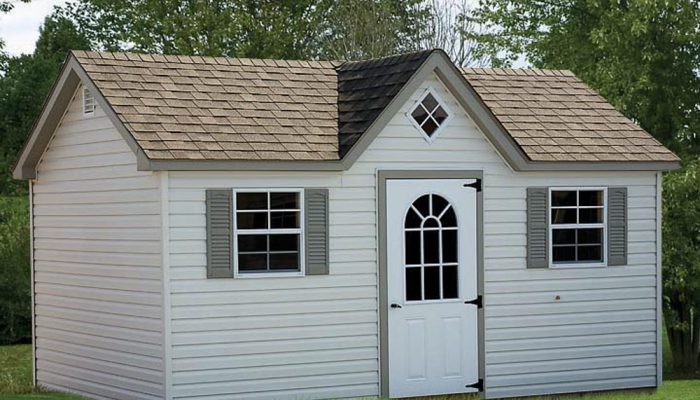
316 336
97 258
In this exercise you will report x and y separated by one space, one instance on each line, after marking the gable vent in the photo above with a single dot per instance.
89 103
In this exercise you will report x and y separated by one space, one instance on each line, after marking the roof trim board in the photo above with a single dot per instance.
437 62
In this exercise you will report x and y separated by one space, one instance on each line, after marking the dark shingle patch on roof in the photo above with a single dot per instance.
365 88
553 116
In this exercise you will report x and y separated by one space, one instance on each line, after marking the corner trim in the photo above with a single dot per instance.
382 177
165 265
31 273
659 280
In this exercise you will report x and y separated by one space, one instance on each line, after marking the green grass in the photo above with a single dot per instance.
16 383
16 376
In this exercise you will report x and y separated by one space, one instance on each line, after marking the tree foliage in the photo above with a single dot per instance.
247 28
286 29
449 28
643 57
15 295
5 7
364 29
24 83
681 258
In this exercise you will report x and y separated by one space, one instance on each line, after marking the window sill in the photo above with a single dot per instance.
258 275
577 265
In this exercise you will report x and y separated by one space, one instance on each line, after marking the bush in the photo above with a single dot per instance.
15 287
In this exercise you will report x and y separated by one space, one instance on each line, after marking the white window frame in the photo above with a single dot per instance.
300 231
604 225
442 103
89 102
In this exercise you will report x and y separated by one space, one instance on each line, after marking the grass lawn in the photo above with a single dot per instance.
16 383
16 376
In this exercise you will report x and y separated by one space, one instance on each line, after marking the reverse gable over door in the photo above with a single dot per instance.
617 319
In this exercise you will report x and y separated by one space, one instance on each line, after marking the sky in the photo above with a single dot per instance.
19 28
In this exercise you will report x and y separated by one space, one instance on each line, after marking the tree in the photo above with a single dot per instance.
248 28
24 83
681 258
287 29
364 29
15 283
643 57
450 28
6 7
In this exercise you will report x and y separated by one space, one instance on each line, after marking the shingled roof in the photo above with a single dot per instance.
554 116
180 107
365 88
181 112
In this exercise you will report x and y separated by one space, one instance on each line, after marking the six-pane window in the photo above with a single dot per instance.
577 224
268 231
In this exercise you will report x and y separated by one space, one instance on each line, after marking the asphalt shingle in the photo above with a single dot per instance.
554 116
196 108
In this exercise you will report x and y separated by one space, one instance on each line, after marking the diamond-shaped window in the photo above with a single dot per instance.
429 115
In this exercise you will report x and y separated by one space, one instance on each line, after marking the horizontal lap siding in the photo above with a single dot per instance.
299 337
316 337
98 287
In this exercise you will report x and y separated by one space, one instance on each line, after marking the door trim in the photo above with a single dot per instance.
382 177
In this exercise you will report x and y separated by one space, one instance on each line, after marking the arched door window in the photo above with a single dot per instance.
430 240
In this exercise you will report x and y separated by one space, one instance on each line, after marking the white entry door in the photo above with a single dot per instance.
431 277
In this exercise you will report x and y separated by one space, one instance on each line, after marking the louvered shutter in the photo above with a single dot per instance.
219 233
316 231
617 226
537 235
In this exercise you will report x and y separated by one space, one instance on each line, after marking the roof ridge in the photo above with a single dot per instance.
394 57
195 59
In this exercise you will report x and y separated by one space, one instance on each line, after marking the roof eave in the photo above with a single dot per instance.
72 74
244 165
570 166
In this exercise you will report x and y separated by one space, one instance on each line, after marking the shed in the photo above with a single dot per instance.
223 228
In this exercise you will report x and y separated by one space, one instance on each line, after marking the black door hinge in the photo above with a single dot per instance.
478 302
476 185
478 386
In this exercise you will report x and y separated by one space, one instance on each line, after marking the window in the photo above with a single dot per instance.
267 232
430 243
429 115
577 226
89 103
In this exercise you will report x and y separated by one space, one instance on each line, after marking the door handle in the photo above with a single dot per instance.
396 305
478 302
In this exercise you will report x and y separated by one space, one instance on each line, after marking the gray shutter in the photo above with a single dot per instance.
316 231
219 233
537 235
617 226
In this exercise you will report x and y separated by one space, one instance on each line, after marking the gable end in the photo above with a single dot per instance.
70 77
